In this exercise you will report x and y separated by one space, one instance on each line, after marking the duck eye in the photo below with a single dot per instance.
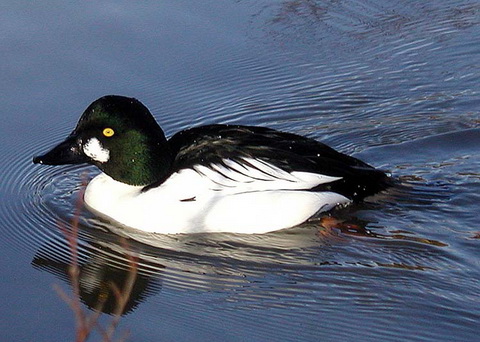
108 132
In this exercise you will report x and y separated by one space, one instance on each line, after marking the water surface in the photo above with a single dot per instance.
394 83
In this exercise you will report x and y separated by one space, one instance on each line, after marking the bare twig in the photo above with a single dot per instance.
86 322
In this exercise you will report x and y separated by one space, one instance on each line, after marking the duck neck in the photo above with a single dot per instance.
141 161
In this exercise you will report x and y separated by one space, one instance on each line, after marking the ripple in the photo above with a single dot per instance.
44 198
305 271
394 82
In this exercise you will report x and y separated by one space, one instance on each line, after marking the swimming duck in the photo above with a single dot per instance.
213 178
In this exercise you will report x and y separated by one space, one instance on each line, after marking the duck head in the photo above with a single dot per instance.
118 135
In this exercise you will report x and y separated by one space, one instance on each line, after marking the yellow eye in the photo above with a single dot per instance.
108 132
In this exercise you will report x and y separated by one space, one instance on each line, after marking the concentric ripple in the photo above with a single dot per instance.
393 82
43 199
40 198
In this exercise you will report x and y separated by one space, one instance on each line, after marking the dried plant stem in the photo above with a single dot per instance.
86 322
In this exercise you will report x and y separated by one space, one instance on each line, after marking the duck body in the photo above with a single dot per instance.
215 178
188 202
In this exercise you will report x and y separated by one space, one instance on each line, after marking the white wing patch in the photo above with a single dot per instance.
95 150
257 175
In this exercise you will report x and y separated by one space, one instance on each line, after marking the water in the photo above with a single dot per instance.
393 82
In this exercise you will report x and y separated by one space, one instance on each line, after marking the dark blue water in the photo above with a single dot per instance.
394 83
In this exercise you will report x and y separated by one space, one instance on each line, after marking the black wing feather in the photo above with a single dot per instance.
212 144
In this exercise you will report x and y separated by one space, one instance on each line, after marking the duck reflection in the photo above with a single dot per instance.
109 278
119 268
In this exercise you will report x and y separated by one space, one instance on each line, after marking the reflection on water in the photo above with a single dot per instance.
394 83
247 269
362 24
102 272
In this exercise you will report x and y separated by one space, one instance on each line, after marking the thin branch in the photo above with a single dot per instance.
85 323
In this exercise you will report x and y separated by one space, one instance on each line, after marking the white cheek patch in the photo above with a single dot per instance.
94 149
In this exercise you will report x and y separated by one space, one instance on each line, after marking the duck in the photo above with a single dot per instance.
217 178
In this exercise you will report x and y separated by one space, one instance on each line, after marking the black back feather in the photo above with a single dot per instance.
211 144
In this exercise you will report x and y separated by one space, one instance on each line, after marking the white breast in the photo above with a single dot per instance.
255 197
